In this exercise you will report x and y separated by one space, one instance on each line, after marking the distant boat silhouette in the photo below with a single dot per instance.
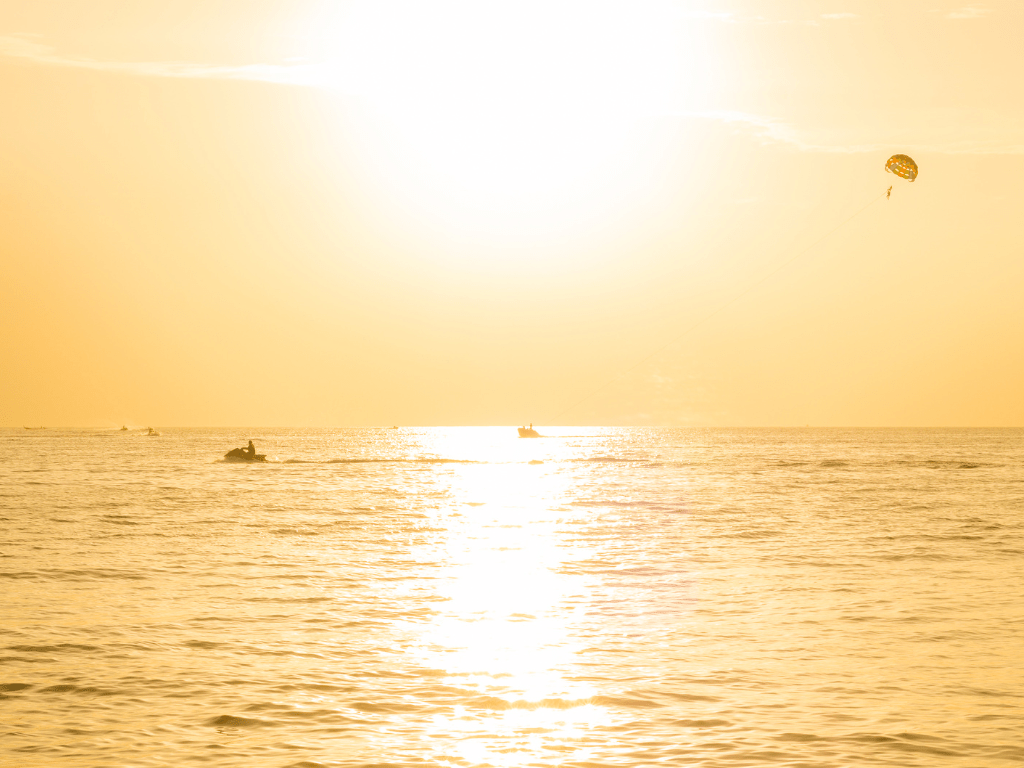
35 427
124 428
528 431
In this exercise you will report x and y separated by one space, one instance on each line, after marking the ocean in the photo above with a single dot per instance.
462 597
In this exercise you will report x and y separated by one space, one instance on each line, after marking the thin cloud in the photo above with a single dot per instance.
22 47
732 18
713 15
726 17
969 12
771 131
764 129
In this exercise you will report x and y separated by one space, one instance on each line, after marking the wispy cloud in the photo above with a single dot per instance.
733 18
769 130
713 15
24 47
992 134
1000 139
969 12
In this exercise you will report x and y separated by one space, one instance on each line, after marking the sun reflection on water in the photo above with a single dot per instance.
504 633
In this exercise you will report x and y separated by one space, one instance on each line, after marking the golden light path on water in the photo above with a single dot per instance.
506 624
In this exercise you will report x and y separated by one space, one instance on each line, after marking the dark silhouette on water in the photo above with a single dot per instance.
528 431
245 454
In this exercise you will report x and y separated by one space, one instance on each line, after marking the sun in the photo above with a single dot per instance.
510 119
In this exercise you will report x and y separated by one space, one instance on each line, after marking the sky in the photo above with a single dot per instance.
312 213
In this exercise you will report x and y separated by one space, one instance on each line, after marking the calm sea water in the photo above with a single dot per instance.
463 597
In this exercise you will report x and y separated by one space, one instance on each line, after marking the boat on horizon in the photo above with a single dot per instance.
528 431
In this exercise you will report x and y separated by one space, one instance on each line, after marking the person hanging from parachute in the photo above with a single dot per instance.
903 166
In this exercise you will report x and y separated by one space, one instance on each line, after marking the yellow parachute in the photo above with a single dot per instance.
903 166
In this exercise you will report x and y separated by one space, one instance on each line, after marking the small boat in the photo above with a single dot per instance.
241 454
528 432
152 433
35 427
124 428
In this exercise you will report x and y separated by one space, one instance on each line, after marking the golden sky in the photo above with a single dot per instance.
418 212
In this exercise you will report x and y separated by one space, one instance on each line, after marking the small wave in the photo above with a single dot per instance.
691 697
950 464
903 746
292 531
289 599
621 701
751 534
119 520
202 644
369 706
612 503
499 704
96 573
426 460
422 460
230 721
90 691
315 687
702 723
60 648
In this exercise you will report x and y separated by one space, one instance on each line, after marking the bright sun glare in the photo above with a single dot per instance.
492 117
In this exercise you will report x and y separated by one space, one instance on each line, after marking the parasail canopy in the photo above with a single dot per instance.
903 166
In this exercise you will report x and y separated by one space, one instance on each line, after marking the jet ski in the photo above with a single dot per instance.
241 454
